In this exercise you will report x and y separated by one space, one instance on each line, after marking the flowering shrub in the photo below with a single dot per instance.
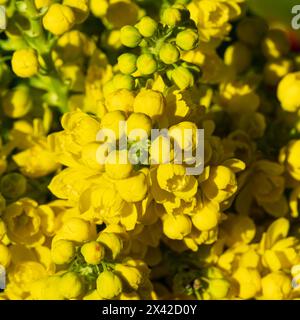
93 206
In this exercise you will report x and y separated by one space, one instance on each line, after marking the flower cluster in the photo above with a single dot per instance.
108 189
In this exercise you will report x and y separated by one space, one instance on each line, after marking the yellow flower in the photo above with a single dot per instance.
71 286
82 127
289 157
206 216
130 275
99 7
109 285
176 227
276 286
173 178
220 185
75 229
287 92
5 256
134 188
212 19
17 102
80 9
23 274
36 161
93 252
24 222
121 99
62 251
25 63
218 288
113 121
111 242
46 289
138 121
117 165
249 282
150 102
59 19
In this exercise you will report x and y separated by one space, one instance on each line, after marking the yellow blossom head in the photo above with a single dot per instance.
276 286
109 285
59 19
149 102
62 251
71 285
25 63
287 92
93 252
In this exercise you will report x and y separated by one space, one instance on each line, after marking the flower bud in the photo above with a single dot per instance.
171 17
93 252
111 121
121 99
71 286
17 102
206 218
117 165
62 251
25 63
182 77
147 26
111 242
127 63
130 36
168 53
187 39
59 19
109 285
139 121
123 81
149 102
13 185
288 92
176 227
146 64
